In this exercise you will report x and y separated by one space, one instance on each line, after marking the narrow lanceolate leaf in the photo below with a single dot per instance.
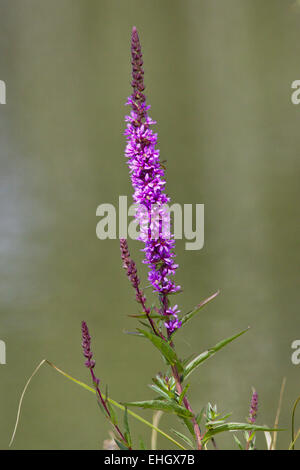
142 444
121 445
144 316
168 407
207 354
164 347
188 316
161 393
145 325
214 423
126 427
188 423
113 415
238 442
183 393
183 437
200 416
234 427
133 333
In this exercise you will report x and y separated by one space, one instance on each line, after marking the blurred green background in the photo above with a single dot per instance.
218 77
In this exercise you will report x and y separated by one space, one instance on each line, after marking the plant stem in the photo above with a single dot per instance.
178 384
188 407
103 403
147 312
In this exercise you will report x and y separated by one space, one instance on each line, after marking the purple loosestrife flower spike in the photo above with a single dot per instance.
148 181
252 418
90 364
130 268
138 98
86 347
253 407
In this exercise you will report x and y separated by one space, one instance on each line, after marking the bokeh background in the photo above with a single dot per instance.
218 77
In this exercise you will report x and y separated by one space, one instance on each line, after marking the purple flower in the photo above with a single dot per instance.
253 408
130 267
252 419
173 323
86 347
148 181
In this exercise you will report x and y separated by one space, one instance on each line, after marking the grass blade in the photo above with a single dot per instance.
21 400
293 423
274 438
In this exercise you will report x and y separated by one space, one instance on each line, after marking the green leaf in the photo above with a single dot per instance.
238 442
200 416
142 444
167 406
121 445
161 393
113 416
188 423
126 427
164 347
292 444
183 437
235 427
251 436
144 316
146 325
168 386
183 393
226 416
188 316
133 333
210 424
101 407
207 354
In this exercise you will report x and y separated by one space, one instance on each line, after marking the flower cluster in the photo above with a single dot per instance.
131 271
253 408
86 346
173 322
90 363
148 180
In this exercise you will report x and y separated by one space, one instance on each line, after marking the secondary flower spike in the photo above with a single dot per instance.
86 349
148 181
130 268
252 419
90 364
253 407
